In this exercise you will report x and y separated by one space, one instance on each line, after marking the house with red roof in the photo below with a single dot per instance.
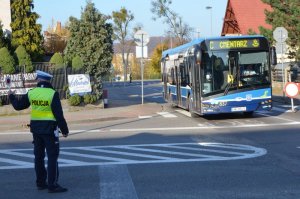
243 15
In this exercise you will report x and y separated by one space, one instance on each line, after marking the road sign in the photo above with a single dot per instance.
138 52
141 38
281 47
280 34
291 89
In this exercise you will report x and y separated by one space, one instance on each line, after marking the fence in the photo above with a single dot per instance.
290 74
60 75
59 80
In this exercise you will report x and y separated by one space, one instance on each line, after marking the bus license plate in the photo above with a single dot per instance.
238 108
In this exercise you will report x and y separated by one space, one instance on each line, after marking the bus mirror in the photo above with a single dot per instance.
273 56
198 57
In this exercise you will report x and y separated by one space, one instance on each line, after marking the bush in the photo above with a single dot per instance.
90 99
87 98
24 59
57 60
1 102
7 62
74 100
94 99
77 63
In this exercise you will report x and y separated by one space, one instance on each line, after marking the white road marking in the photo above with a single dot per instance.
16 133
171 152
135 154
280 118
145 116
166 114
125 153
184 112
155 97
116 182
205 125
211 126
133 95
289 106
17 162
14 153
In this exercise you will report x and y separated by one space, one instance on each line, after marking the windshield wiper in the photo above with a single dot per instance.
228 86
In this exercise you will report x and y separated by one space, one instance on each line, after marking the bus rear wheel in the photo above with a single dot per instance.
189 107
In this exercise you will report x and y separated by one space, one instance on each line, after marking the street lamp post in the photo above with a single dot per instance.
198 32
210 8
171 40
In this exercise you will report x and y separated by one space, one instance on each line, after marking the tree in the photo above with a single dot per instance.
7 62
2 43
24 59
91 39
4 38
179 29
25 30
285 14
121 20
156 57
57 60
77 62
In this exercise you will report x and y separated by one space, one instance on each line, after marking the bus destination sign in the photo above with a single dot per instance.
233 44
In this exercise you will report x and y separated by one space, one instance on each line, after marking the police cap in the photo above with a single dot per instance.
43 75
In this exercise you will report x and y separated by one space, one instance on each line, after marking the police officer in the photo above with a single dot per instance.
47 120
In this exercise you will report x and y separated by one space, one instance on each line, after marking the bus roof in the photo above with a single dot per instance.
184 47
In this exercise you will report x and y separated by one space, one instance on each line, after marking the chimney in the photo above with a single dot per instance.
58 27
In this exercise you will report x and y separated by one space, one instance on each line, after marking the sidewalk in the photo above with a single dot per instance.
11 120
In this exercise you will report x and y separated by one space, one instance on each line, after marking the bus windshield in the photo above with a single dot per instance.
223 71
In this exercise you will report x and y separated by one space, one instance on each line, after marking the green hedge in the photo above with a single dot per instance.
57 60
74 100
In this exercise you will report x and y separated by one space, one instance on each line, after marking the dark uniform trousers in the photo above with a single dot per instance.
51 143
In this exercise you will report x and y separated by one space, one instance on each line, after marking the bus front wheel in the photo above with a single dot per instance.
248 114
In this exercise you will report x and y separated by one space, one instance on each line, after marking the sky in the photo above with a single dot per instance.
206 22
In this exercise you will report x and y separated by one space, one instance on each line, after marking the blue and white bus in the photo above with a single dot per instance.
209 76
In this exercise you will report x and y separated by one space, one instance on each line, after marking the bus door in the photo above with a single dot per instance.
196 84
178 83
164 79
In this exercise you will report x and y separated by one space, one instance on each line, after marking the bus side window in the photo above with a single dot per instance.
172 76
183 75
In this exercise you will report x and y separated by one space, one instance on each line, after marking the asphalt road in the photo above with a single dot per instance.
165 155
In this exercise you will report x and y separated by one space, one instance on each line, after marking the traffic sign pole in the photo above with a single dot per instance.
291 89
142 39
142 69
280 34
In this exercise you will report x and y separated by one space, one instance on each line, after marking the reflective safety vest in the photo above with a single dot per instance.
40 100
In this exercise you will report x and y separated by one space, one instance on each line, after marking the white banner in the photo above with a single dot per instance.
79 84
20 83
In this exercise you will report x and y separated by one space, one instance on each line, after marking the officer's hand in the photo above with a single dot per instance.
65 134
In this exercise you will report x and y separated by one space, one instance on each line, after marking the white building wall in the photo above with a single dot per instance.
5 15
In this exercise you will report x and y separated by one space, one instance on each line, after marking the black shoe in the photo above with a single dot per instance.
57 189
42 187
